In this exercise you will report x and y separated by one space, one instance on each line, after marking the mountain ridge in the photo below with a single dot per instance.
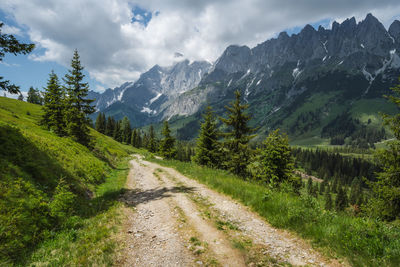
351 60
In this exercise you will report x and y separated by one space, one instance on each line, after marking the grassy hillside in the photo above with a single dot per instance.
50 185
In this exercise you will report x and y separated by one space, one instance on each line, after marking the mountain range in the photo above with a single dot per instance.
309 84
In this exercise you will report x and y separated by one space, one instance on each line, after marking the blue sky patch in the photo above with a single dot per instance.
141 15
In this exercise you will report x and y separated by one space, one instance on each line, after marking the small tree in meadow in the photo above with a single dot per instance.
167 144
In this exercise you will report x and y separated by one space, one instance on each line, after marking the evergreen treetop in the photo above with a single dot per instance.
167 144
236 151
207 145
78 106
152 140
54 106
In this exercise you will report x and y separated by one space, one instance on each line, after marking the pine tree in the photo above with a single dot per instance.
34 96
237 155
110 125
207 145
54 106
78 105
167 144
117 131
145 141
100 124
385 202
152 140
274 161
341 201
8 44
126 130
355 191
134 138
139 139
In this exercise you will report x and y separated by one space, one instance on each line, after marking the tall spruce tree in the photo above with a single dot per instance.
355 191
385 202
237 151
110 125
54 106
167 144
341 201
78 106
100 124
117 134
207 145
134 138
152 146
126 130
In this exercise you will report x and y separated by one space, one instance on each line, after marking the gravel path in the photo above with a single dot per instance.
169 228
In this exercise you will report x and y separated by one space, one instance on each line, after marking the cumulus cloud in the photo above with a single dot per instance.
7 29
119 39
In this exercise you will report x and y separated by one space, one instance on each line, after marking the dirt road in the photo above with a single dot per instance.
176 221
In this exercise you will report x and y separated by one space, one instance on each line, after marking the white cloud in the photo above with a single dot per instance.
114 50
7 29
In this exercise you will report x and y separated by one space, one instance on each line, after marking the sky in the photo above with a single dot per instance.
119 39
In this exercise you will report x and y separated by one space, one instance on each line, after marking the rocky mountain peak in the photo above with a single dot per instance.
234 59
394 31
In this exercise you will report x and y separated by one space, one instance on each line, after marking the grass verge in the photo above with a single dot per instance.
88 240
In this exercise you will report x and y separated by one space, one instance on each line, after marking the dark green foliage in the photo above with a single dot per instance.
328 201
136 139
341 201
273 163
126 130
330 164
117 134
34 96
101 124
355 191
167 144
152 144
21 97
386 200
8 44
335 185
360 136
207 145
54 106
78 106
110 125
236 149
309 186
62 204
322 187
24 217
